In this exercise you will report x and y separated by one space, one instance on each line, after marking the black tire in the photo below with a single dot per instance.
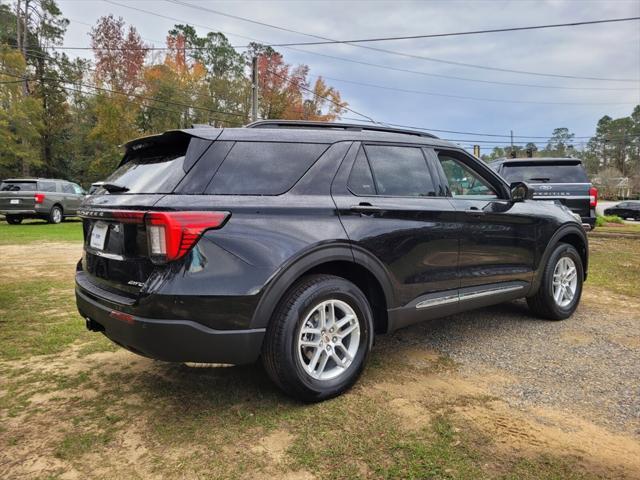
13 219
55 215
280 354
543 303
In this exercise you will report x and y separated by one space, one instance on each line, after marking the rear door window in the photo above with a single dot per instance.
561 172
47 186
9 186
400 171
264 168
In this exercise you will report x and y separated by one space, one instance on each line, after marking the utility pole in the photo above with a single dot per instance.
254 89
513 152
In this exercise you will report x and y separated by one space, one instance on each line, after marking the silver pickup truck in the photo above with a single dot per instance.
48 199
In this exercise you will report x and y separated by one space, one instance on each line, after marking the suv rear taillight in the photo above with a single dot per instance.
171 234
593 197
39 197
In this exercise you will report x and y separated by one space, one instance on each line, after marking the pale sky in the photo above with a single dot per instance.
610 51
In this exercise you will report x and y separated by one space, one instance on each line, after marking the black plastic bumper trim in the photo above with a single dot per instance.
174 340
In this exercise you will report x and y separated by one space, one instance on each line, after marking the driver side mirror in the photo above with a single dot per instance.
520 192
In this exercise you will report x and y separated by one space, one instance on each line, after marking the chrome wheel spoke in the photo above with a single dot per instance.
323 362
344 320
314 360
310 331
345 352
347 331
331 315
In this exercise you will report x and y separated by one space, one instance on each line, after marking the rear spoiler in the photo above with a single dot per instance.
170 137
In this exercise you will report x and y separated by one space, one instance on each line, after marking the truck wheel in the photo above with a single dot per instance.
319 338
13 220
55 215
561 286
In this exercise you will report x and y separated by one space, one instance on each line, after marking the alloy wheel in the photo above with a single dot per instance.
565 281
328 340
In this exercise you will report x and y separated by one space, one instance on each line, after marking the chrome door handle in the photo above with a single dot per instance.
365 208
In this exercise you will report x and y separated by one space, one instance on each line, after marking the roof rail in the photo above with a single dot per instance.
335 126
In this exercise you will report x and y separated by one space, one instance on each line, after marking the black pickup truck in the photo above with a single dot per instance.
554 179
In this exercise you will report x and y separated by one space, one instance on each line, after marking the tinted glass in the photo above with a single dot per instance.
264 168
400 171
360 180
78 189
545 173
196 181
463 181
47 186
18 186
68 188
156 169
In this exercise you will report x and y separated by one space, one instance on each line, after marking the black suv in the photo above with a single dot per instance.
298 242
561 180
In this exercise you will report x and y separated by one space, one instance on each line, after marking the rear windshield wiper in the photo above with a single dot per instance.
540 179
114 187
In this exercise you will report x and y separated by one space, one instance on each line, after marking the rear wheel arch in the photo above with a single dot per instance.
340 260
572 235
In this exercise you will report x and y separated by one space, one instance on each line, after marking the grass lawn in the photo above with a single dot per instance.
86 406
40 231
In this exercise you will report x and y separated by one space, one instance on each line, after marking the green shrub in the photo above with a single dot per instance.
603 219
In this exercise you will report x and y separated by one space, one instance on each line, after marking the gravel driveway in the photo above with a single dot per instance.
589 364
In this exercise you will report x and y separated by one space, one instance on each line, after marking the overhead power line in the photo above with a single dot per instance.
367 119
451 34
480 99
402 54
288 79
72 89
497 135
364 63
127 94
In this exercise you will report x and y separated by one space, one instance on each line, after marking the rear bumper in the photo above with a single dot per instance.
18 212
588 223
171 340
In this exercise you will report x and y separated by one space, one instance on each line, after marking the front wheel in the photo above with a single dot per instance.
319 338
561 286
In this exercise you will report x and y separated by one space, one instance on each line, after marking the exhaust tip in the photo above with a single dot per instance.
93 326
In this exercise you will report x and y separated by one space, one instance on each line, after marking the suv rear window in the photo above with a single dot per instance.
18 186
264 168
537 172
158 168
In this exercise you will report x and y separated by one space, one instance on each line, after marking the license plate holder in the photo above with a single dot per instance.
15 201
99 235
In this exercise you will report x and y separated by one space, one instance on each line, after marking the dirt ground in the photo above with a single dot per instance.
512 388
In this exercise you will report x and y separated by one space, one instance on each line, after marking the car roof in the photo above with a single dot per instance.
304 132
542 160
35 180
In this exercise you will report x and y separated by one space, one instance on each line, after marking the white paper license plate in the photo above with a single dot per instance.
15 201
99 235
